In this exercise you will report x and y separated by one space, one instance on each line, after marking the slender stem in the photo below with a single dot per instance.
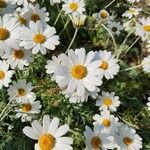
114 42
74 36
131 68
132 44
124 41
20 76
109 4
60 11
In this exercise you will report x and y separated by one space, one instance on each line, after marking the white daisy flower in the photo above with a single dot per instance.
143 28
18 58
108 122
133 1
132 12
27 109
73 6
52 2
148 104
39 37
115 27
36 13
21 2
78 20
7 7
107 64
103 16
108 101
130 25
8 33
146 64
21 16
49 135
79 72
21 91
127 139
97 140
5 74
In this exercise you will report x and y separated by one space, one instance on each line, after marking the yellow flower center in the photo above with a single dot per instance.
147 28
104 65
106 123
96 142
103 14
39 38
132 10
35 17
22 20
79 72
2 75
18 54
107 102
26 107
127 140
74 6
46 142
4 34
2 4
21 92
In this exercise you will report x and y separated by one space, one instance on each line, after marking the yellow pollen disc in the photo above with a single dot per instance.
73 6
131 11
96 142
26 107
2 4
107 102
106 123
39 38
22 20
21 92
127 140
103 14
4 34
35 17
46 142
104 65
2 75
79 72
147 28
18 54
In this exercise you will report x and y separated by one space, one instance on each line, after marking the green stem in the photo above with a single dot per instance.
109 4
131 68
60 11
114 42
74 36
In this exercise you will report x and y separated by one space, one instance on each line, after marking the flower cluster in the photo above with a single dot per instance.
27 31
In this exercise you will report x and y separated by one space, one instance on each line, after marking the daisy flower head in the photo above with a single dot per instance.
21 91
107 64
74 6
18 58
7 7
5 74
103 15
8 33
78 20
148 104
108 122
36 13
146 64
49 135
143 28
130 25
79 72
39 37
97 140
127 139
27 109
115 27
52 2
132 12
108 101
